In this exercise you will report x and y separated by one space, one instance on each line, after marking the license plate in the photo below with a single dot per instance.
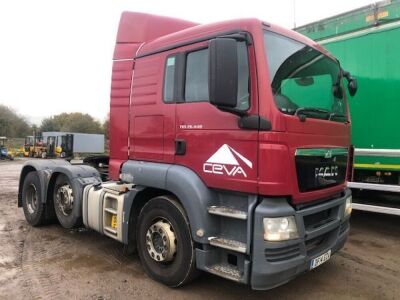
320 260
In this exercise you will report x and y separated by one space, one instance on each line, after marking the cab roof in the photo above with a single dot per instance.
157 33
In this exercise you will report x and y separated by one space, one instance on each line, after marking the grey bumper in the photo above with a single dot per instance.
321 228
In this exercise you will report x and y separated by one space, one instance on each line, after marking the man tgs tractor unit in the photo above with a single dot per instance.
229 153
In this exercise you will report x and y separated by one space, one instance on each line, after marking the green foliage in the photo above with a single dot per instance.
106 127
12 124
71 122
49 124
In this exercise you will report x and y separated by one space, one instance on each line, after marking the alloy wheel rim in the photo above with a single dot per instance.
161 241
65 199
32 199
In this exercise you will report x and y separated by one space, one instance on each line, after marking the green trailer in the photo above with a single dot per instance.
367 43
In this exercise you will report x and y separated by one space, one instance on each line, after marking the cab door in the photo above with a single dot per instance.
208 139
152 117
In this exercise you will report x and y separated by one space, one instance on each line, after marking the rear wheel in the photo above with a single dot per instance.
65 205
33 207
165 244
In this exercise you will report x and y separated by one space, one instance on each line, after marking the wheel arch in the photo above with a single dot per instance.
44 169
181 182
134 203
78 175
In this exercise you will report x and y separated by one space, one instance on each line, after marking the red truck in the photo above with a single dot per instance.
229 153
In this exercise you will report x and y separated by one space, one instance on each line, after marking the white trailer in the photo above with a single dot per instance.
82 142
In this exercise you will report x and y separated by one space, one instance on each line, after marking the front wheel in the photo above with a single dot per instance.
165 244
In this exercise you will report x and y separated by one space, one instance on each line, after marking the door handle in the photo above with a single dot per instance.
180 147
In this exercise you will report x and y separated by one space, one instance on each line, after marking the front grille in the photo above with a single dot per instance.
280 254
344 226
320 218
313 245
318 168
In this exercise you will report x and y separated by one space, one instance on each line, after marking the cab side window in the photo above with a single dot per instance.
196 79
194 82
244 78
169 79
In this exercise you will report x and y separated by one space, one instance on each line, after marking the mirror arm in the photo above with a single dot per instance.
348 76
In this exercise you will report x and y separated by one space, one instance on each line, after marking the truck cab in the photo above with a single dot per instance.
229 152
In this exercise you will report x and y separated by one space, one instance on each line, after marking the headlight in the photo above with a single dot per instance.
348 207
280 229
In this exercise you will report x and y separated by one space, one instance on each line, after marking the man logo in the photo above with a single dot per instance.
328 154
225 162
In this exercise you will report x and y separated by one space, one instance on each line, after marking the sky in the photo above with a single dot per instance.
56 56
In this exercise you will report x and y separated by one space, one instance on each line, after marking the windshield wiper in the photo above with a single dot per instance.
335 115
301 112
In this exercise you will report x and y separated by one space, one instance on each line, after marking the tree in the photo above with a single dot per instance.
71 122
106 127
12 124
49 124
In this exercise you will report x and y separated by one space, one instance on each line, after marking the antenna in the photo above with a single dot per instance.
294 14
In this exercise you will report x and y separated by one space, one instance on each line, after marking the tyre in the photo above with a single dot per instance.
43 155
34 208
66 206
165 244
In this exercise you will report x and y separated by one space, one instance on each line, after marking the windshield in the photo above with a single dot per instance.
304 81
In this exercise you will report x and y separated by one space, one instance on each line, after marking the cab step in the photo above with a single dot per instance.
228 212
228 244
226 271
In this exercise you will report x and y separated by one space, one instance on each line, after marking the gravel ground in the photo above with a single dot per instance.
53 263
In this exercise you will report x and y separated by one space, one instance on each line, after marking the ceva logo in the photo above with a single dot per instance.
225 162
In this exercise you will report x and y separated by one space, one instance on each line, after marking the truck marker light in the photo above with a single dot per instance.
224 162
200 232
114 221
348 207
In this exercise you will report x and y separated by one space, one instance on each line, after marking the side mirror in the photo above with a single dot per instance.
223 72
351 83
352 86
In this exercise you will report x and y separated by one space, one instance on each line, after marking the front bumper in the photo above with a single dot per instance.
321 227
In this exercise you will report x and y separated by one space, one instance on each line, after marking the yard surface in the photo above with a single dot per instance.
53 263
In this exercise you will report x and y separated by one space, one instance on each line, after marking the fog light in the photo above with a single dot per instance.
280 229
348 207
